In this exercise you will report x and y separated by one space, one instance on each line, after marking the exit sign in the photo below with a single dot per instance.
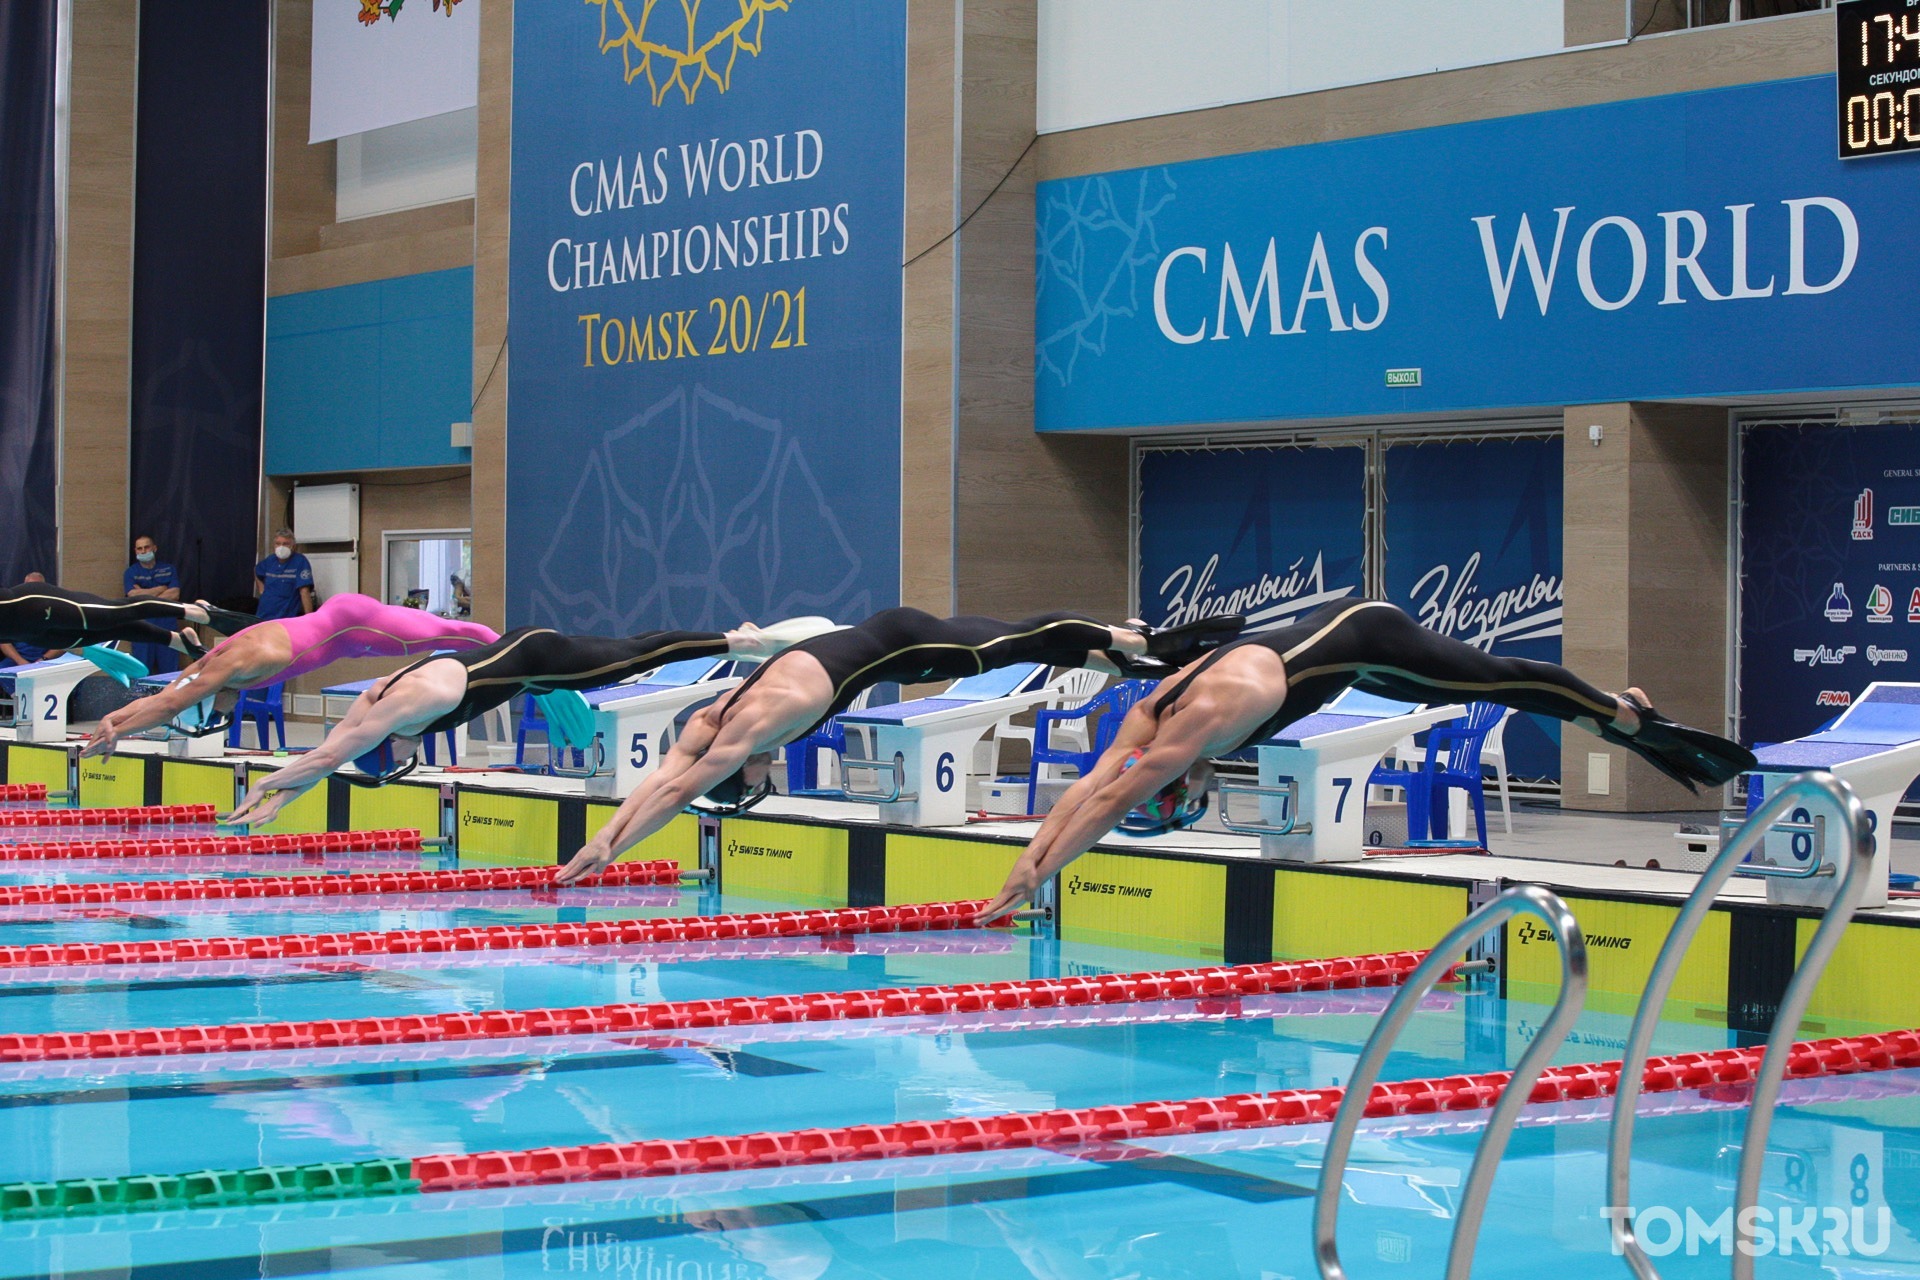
1403 377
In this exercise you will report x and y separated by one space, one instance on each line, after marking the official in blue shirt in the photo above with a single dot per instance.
19 655
149 578
283 581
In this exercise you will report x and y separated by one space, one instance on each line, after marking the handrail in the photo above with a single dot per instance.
896 766
1773 870
1818 784
1529 899
1289 789
596 754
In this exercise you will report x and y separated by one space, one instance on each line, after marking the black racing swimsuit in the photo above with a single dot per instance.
540 660
54 618
1376 647
911 646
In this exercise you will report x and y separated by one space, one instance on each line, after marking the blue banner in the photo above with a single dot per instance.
1700 244
1473 550
1269 533
704 413
1829 571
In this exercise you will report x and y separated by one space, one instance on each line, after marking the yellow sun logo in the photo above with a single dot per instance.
669 47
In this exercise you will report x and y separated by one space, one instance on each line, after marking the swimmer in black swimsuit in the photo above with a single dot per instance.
1248 690
51 617
725 752
388 721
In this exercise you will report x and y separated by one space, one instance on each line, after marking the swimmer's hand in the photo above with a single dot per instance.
102 743
1022 883
259 808
594 857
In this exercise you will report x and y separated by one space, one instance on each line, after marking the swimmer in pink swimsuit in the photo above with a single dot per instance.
346 626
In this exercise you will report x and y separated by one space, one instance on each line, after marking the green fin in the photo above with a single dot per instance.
568 717
123 667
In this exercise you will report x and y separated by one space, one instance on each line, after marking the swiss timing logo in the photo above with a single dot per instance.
1863 516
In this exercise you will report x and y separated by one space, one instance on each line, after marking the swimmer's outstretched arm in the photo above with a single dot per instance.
1095 804
707 751
375 716
201 679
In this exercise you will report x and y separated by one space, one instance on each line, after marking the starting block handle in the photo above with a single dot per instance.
1771 871
896 766
1289 790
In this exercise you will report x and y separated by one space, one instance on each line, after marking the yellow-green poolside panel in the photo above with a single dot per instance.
399 807
784 861
942 869
1317 915
118 782
192 782
1623 939
30 763
679 840
1166 905
1867 986
302 817
499 829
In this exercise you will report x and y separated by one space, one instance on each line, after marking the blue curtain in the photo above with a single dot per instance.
28 269
199 285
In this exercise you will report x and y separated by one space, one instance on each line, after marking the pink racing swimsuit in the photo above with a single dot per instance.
356 626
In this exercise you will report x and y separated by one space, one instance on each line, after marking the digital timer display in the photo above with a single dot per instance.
1877 55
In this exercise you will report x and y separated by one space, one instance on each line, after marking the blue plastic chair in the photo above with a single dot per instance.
531 721
1453 760
1112 705
453 758
260 706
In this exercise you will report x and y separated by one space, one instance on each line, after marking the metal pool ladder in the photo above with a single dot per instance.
1818 785
1528 899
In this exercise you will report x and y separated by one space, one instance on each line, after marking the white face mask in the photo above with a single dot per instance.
144 557
282 552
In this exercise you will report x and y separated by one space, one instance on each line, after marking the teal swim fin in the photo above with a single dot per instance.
123 667
568 717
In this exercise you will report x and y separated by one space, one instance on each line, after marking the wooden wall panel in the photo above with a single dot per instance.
928 295
491 220
302 173
94 394
1645 571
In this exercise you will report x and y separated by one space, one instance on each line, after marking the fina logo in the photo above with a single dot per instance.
1876 655
1879 602
1191 596
1519 613
1833 698
1839 608
1863 516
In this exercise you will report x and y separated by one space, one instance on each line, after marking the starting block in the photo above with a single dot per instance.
634 723
40 694
178 734
1874 747
922 749
1313 776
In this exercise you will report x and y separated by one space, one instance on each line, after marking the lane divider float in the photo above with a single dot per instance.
1063 1128
23 791
468 879
1344 973
395 841
511 937
153 815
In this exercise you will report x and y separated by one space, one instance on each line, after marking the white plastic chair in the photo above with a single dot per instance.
1069 687
1494 753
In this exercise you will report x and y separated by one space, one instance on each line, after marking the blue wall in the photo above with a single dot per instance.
370 375
1698 244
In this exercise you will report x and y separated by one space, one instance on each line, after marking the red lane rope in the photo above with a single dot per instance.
323 886
408 841
141 816
1076 1126
777 924
23 791
1033 993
